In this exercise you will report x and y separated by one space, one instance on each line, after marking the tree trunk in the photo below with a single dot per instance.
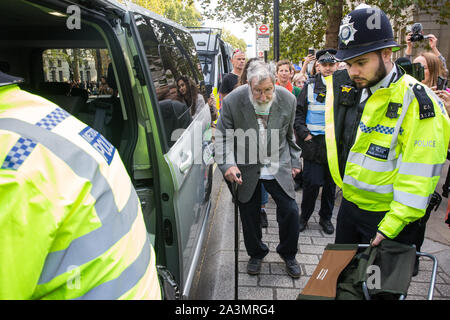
98 63
334 16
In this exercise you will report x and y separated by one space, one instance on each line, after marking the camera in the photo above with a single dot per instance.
441 83
414 69
417 33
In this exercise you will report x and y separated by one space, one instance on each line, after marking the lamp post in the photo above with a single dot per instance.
276 30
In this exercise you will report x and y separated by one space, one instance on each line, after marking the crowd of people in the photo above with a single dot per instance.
350 117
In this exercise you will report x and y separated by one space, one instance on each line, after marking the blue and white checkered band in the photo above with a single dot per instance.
24 146
378 128
18 153
53 119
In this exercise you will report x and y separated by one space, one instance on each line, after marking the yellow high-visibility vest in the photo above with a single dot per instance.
396 161
70 220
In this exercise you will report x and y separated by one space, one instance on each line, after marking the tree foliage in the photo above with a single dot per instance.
314 23
180 11
235 42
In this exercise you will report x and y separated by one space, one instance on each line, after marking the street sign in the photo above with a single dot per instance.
263 43
263 29
262 37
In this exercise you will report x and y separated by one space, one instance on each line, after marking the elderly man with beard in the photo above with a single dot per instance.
386 136
259 116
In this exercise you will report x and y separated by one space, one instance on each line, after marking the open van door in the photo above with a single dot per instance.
179 140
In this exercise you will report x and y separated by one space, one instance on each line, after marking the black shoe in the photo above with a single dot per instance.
264 222
416 267
302 225
292 268
254 266
327 226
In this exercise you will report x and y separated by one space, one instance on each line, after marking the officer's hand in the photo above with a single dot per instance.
295 171
308 137
231 175
378 238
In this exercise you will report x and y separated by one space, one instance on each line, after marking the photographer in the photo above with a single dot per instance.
417 35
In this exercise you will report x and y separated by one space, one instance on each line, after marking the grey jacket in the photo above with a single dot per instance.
279 150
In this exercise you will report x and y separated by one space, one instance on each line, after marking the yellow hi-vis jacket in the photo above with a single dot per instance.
396 161
71 225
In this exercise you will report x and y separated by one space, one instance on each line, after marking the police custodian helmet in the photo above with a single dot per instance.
364 30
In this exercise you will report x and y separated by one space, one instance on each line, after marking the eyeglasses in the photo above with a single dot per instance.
266 92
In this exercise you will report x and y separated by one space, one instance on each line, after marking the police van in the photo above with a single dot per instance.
116 67
215 57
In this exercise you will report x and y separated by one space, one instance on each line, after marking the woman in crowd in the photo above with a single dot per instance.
187 88
432 68
299 80
283 73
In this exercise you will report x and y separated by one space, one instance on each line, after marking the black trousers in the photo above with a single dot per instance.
287 218
355 225
316 175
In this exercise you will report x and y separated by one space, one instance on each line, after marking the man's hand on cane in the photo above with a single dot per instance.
233 175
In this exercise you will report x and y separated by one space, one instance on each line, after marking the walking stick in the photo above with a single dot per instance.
236 238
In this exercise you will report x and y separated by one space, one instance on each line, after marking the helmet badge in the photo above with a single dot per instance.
346 30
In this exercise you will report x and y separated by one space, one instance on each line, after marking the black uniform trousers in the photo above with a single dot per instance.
314 176
287 218
355 225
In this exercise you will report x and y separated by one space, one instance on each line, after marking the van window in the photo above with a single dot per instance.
174 75
80 68
82 82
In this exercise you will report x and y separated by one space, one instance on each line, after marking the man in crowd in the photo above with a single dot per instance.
310 129
264 113
386 136
231 79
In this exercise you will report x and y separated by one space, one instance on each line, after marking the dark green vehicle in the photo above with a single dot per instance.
116 66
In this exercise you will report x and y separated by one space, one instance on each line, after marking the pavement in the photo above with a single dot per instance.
214 278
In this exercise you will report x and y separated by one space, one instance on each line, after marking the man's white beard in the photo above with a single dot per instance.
260 107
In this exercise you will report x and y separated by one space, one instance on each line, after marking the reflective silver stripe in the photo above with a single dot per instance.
310 92
316 107
114 224
372 164
407 99
421 169
92 245
115 288
411 200
368 187
314 127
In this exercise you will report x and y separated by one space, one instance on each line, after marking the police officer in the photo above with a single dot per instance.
387 135
70 220
310 129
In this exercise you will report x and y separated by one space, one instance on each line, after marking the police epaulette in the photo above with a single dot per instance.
426 108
